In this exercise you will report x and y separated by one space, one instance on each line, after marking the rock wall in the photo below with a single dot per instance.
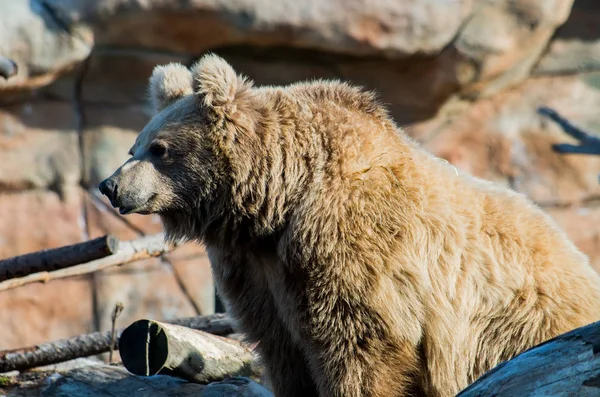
463 77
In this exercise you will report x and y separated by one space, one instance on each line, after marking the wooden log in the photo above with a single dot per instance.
100 381
236 387
568 365
94 343
8 67
151 347
127 252
54 352
58 258
114 381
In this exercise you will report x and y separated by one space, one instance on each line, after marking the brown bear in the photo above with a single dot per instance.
360 263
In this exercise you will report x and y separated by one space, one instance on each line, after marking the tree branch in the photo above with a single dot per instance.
95 343
57 258
589 144
127 252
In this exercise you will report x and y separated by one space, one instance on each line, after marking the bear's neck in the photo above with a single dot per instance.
296 150
271 164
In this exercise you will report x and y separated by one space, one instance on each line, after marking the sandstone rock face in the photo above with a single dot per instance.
504 40
504 139
38 313
581 224
38 146
576 45
488 45
41 44
33 220
30 221
349 26
463 77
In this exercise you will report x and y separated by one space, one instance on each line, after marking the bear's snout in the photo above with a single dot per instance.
131 189
108 187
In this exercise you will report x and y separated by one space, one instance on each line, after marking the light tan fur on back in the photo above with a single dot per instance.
362 265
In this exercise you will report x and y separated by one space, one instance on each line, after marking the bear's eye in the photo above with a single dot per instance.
158 149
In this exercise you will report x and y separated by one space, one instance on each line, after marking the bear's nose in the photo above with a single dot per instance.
108 188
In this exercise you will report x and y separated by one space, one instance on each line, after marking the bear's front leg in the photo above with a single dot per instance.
363 345
251 303
344 368
286 366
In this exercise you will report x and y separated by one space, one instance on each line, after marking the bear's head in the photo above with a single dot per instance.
180 164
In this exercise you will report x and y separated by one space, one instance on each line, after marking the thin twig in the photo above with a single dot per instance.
113 332
128 251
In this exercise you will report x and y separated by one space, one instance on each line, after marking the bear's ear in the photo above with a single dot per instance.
169 83
218 85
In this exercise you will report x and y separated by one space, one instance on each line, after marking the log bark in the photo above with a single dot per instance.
94 343
127 252
58 258
101 381
151 348
115 381
568 365
588 144
8 67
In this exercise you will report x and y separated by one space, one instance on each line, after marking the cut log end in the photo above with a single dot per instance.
8 68
144 348
112 244
151 348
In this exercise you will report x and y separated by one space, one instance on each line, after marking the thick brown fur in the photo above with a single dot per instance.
361 264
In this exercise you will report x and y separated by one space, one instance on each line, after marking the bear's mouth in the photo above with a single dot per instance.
143 209
125 210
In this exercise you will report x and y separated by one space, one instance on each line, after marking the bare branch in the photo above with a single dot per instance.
94 343
113 331
576 149
589 144
128 251
57 258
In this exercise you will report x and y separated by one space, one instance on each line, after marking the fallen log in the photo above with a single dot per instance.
58 258
8 67
127 252
95 343
114 381
99 381
150 348
568 365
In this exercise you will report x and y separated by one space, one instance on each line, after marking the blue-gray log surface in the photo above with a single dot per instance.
114 381
568 365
